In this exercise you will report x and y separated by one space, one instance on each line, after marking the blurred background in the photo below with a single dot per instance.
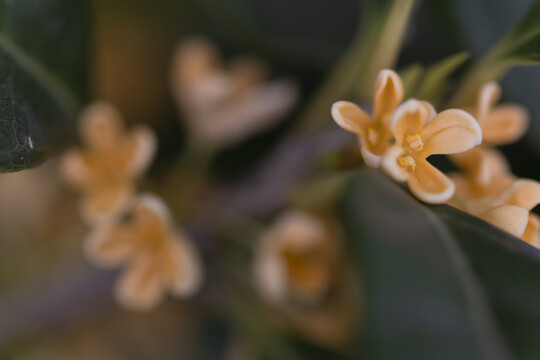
132 45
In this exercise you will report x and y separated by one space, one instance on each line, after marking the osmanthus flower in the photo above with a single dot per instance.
502 124
106 167
294 259
373 131
225 103
157 257
510 210
299 272
419 133
485 174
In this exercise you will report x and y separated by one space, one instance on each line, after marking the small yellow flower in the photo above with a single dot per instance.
298 270
225 104
502 124
112 158
373 132
295 259
510 210
419 134
157 257
486 171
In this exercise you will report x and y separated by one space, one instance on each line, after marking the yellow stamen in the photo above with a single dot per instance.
373 136
408 162
415 142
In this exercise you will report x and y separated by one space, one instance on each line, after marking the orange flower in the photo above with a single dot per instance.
373 132
420 133
486 173
510 210
157 257
299 272
225 104
112 158
295 259
503 124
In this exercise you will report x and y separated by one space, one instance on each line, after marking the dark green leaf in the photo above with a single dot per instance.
423 300
43 63
509 270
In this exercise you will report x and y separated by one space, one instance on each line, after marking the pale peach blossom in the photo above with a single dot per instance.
373 131
225 103
106 167
157 257
420 133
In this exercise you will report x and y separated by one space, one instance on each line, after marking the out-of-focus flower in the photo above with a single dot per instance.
298 271
106 168
373 132
295 259
224 104
157 257
502 124
420 133
510 209
486 171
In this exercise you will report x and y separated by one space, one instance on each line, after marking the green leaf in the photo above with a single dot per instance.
43 67
434 83
423 298
411 76
509 270
520 46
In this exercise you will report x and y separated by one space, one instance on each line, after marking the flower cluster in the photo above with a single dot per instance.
486 187
127 229
399 138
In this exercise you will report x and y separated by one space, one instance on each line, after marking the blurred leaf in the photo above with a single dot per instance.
374 48
509 270
411 75
423 299
435 79
43 63
521 46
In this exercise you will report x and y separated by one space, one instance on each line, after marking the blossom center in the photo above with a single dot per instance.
407 162
373 136
415 142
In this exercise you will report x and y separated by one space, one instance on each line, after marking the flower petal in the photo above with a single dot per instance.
409 119
512 219
144 149
451 131
430 185
102 204
387 94
390 165
232 120
505 124
488 96
109 244
139 287
532 231
350 117
100 126
73 169
371 160
523 192
181 268
474 163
